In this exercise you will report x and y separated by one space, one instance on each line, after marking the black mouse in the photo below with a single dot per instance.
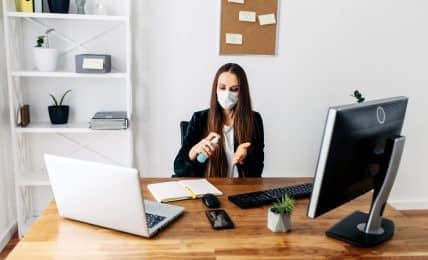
211 201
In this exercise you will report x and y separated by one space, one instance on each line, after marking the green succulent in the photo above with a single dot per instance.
62 98
284 205
41 39
357 94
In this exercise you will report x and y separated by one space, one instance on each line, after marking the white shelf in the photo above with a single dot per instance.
73 127
87 17
63 74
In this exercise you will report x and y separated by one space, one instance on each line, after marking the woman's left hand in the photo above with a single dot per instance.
241 153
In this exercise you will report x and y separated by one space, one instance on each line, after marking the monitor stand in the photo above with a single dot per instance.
367 230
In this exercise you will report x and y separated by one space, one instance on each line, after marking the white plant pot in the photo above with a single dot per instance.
45 58
278 222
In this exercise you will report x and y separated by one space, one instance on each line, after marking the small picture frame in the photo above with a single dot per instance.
93 63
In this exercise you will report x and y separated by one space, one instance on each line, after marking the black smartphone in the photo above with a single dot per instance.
219 219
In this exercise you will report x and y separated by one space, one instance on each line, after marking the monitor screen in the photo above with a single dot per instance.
351 154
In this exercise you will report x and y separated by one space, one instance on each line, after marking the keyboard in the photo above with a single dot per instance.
152 220
260 198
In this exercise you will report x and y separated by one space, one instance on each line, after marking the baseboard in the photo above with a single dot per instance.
7 235
409 204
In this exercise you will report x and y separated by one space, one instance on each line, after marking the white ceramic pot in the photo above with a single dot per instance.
45 58
278 222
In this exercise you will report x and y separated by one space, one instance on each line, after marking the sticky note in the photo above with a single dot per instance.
246 16
237 1
267 19
234 38
93 63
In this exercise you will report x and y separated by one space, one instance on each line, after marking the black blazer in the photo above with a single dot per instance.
184 167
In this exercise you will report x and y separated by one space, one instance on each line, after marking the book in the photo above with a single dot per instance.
38 6
110 115
26 6
109 120
181 190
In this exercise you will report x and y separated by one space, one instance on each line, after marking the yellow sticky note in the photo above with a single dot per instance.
246 16
267 19
234 38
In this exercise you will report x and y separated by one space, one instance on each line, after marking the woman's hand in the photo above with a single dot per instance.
204 146
241 153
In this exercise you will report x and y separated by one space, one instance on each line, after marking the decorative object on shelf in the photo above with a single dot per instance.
45 57
59 6
58 113
24 112
26 6
38 6
93 63
100 8
357 94
279 215
45 6
109 120
80 5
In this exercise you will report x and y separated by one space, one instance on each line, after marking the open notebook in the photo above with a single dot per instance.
181 190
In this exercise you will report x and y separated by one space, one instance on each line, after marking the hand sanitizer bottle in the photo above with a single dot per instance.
202 157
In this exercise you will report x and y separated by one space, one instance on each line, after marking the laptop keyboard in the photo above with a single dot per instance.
152 220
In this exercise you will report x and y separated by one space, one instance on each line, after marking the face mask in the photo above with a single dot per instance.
227 99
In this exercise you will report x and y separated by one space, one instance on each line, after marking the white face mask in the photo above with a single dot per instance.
227 99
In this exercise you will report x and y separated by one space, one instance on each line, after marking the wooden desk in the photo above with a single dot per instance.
191 235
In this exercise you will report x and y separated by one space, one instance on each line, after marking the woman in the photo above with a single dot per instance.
230 118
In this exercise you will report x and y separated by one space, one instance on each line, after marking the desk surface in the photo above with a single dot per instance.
191 235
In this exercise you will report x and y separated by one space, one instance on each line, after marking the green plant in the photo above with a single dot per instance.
62 98
357 94
41 39
284 205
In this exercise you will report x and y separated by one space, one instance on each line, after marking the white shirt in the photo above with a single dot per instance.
229 149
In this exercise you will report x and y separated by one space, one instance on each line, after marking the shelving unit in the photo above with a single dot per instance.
66 74
69 16
74 34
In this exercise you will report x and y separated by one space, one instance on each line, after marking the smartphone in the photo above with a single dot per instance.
219 219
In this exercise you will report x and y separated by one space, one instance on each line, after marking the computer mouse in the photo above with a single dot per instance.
211 201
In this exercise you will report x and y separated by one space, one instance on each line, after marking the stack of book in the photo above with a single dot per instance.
109 120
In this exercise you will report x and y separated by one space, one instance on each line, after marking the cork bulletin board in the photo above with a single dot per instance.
240 34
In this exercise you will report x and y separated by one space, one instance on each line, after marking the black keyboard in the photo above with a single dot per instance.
259 198
152 220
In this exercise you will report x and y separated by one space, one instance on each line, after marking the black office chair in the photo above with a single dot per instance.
183 130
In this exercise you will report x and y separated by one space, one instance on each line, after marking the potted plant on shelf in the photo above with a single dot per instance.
279 215
44 56
58 113
357 94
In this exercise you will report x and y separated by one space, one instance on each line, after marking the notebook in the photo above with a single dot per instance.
181 190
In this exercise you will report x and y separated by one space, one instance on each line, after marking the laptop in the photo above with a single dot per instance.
107 196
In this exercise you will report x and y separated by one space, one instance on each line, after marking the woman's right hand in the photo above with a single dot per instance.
204 146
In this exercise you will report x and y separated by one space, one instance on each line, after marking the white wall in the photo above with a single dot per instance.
7 197
326 50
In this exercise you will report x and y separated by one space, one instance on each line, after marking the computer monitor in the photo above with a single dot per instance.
360 151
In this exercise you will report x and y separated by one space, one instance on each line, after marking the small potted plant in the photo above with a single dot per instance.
44 56
279 215
357 94
58 113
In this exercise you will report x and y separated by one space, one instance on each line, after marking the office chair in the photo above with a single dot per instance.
183 130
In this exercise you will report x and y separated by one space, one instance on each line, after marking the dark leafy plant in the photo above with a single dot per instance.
62 98
284 205
357 94
41 39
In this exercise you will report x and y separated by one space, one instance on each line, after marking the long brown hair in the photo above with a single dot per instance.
243 119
